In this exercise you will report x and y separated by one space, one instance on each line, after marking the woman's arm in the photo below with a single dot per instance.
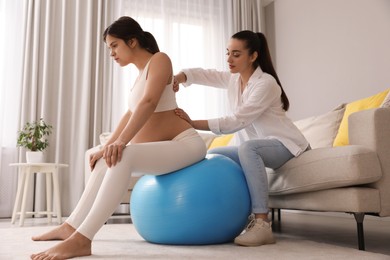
259 97
94 157
119 129
159 75
206 77
197 124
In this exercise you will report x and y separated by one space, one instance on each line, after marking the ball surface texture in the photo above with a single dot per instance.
205 203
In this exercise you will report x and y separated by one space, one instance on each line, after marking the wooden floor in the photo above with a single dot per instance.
331 228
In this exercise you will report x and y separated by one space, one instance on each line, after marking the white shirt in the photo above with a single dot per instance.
257 113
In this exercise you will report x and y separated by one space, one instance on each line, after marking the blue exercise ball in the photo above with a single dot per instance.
205 203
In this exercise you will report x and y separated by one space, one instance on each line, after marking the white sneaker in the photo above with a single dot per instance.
258 232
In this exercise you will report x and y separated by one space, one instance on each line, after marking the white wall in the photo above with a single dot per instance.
328 52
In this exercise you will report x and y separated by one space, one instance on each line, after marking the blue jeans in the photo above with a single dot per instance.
254 156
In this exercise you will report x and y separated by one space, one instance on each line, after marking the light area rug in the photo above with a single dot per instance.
121 241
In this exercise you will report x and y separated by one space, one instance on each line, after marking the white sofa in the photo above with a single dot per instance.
353 179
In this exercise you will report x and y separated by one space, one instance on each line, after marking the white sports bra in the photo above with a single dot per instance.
167 100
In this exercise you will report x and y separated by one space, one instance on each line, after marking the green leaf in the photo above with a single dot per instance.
32 135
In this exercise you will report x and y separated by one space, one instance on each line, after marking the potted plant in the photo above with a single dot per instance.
33 137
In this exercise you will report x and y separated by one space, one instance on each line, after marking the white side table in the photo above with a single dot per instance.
26 170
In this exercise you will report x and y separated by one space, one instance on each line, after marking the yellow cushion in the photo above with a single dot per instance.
221 141
358 105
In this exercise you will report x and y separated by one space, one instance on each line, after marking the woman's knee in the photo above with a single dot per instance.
217 150
271 151
228 151
260 146
247 148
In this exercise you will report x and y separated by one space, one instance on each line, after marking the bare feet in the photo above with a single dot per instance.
75 245
61 232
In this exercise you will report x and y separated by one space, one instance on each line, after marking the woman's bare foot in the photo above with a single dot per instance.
61 232
75 245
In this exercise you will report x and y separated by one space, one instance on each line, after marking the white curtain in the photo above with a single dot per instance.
65 79
194 33
11 29
56 66
247 15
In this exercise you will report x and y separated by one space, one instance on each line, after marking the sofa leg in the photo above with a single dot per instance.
273 214
359 217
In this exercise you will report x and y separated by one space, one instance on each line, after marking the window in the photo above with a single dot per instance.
11 63
193 34
10 70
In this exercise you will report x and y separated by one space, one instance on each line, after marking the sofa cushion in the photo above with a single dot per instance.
222 140
386 101
321 130
374 101
325 168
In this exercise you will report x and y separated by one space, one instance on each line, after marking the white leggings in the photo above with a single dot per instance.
107 186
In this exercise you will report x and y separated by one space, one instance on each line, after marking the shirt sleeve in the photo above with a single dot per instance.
260 96
207 77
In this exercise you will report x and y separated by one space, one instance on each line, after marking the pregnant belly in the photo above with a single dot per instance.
162 126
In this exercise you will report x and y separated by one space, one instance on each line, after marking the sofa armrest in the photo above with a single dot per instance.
371 128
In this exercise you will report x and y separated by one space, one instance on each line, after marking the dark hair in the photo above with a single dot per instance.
257 42
126 28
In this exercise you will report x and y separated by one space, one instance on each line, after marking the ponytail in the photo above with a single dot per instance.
150 43
265 62
256 42
126 28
